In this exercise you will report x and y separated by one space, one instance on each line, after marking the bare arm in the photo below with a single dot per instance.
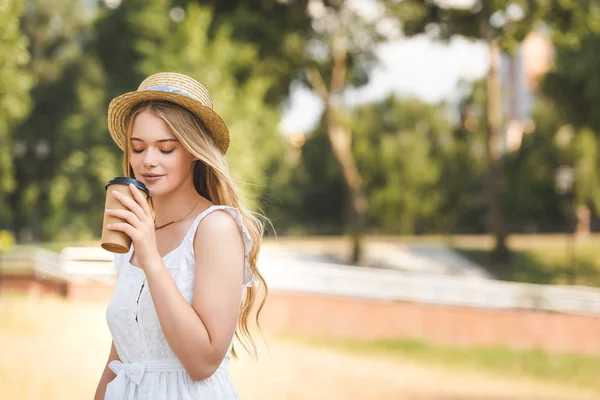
107 374
200 334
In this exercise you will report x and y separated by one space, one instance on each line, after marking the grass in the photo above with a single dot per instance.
579 371
543 259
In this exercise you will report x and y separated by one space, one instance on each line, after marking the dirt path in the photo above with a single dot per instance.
57 350
294 371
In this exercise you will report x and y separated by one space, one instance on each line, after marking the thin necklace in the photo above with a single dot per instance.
179 220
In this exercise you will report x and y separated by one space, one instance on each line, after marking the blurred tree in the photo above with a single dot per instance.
399 146
573 88
122 32
587 164
15 82
463 169
66 154
316 189
270 35
278 30
342 54
88 160
574 83
501 25
255 142
56 31
531 201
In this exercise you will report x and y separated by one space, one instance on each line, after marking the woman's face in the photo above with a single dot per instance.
158 159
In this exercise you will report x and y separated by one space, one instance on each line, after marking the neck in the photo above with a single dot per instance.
185 197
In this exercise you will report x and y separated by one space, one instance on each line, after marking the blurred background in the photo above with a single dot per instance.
430 168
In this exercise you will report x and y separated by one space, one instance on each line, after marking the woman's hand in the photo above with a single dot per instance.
138 225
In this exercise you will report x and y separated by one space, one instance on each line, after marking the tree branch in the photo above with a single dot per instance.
316 81
338 74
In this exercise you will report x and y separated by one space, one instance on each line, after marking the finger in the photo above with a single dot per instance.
140 198
131 204
125 215
123 227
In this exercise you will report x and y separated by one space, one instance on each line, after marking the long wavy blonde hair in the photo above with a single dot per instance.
212 180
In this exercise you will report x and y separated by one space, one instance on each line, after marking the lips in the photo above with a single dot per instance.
151 178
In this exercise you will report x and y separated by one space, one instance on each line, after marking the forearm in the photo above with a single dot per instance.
107 375
183 329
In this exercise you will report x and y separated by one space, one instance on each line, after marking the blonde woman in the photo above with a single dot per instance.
188 284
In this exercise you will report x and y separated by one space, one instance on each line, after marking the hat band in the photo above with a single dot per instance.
171 89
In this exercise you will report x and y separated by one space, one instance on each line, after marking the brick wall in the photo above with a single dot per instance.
358 318
89 290
361 318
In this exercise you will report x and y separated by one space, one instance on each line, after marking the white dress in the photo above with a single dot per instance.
148 369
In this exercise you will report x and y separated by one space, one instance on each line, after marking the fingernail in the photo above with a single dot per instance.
108 211
109 226
115 192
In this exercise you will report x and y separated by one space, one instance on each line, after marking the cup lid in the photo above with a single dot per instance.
123 180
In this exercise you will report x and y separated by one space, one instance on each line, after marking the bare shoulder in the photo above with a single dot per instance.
216 226
219 249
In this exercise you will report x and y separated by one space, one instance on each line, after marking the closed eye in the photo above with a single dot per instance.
162 151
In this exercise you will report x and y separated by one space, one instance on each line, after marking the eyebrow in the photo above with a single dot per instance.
158 141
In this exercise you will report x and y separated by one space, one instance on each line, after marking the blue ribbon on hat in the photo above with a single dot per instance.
171 89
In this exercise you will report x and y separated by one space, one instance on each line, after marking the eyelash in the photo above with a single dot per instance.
162 151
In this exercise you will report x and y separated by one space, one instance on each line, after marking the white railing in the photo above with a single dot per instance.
333 279
81 263
287 274
46 264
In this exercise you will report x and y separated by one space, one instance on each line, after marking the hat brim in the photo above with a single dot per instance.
120 108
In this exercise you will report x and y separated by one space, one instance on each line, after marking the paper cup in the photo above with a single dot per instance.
117 241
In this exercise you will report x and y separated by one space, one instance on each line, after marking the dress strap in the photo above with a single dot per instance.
237 216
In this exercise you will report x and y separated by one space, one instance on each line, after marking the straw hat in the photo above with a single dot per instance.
175 88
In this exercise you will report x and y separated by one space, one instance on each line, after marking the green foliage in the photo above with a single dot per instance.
69 155
421 174
7 240
574 83
278 30
507 21
395 144
215 63
62 137
15 83
530 198
316 193
587 164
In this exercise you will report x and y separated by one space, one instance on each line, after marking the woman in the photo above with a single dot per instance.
186 285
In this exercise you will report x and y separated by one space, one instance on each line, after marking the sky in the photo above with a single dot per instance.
415 66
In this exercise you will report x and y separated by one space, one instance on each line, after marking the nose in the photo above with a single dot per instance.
149 158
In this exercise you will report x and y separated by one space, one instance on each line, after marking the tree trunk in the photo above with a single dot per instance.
494 174
340 137
341 144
